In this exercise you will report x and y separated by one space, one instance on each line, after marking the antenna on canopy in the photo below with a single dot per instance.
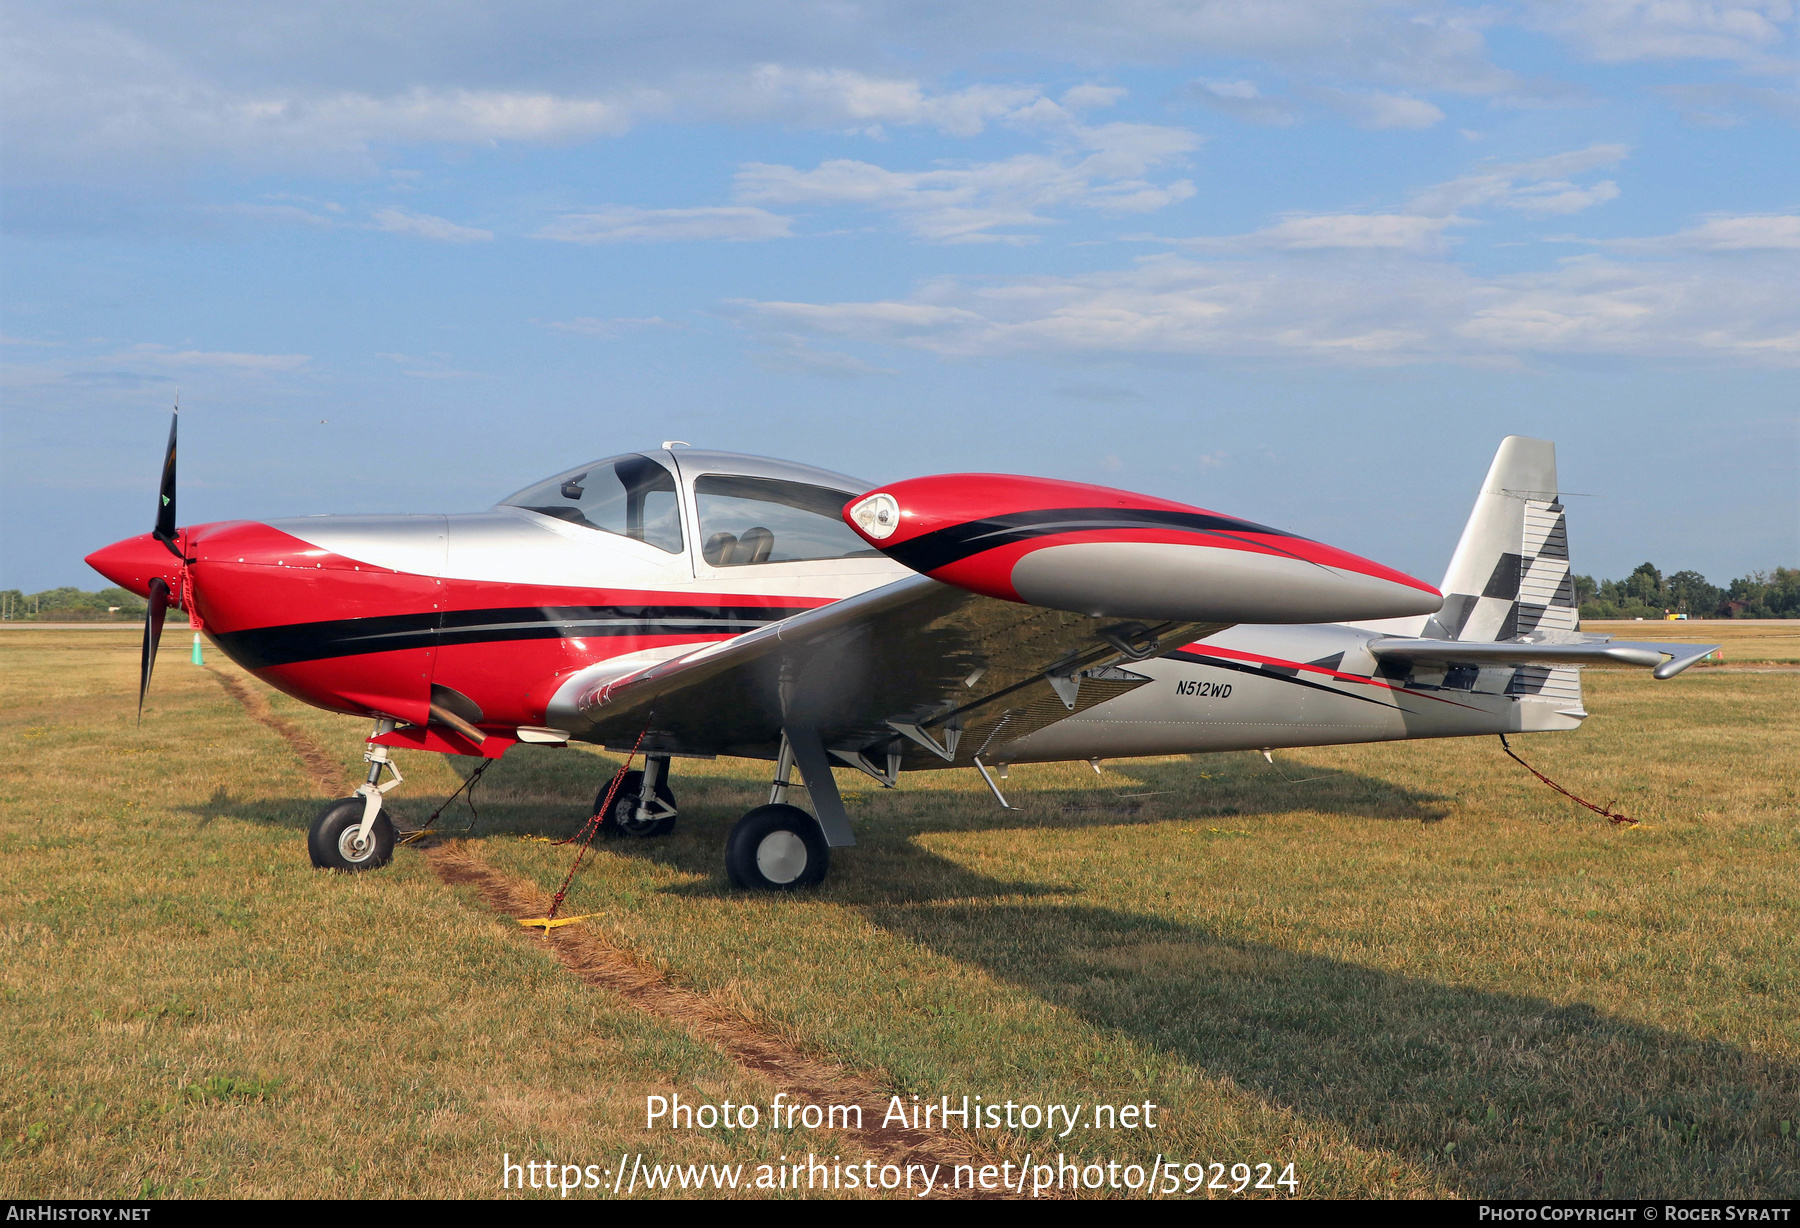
675 443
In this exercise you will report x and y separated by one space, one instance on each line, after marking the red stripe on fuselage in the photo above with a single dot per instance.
1232 654
251 576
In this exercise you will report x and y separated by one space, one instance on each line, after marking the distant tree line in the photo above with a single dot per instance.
71 605
1647 593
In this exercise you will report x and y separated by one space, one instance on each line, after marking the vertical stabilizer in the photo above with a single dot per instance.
1509 578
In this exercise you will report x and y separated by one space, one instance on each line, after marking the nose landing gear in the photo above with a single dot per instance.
336 840
352 833
643 805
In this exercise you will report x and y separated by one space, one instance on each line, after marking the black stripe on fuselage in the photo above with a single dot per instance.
293 643
1273 673
941 547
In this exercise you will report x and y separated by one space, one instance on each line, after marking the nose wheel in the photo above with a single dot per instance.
336 840
636 811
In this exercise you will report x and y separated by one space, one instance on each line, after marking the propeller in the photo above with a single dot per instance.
165 503
164 532
153 625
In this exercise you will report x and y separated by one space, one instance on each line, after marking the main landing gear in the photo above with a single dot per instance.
779 847
352 833
776 848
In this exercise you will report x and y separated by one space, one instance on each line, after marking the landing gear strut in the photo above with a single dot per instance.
352 833
643 805
779 847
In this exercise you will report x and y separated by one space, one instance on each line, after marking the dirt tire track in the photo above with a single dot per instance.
588 954
601 963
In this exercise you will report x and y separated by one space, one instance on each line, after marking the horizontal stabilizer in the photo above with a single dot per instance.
1593 652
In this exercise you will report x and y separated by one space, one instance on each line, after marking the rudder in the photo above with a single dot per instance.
1509 578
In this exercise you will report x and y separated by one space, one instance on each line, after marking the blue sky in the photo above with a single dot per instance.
1303 260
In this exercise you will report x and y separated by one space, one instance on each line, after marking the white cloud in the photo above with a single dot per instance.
1100 167
1366 231
276 213
1372 110
625 224
1540 186
1618 30
1345 311
166 357
426 366
113 91
1756 232
1529 187
817 96
1559 196
1242 99
792 354
1091 96
1364 108
92 98
99 97
1722 104
425 226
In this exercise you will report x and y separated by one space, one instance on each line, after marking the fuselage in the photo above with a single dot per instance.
509 612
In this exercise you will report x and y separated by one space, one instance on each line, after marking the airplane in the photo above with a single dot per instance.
679 602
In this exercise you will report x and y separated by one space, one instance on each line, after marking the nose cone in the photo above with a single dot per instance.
134 562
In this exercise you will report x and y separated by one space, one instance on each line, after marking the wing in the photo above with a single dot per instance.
914 674
1598 651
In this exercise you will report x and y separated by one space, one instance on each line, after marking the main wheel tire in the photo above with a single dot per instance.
622 820
332 843
777 848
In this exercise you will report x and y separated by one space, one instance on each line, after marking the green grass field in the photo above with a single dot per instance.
1407 969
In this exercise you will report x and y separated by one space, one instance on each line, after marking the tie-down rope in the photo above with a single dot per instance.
586 835
1614 815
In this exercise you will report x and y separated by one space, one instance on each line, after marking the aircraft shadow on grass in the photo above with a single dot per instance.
542 792
1502 1095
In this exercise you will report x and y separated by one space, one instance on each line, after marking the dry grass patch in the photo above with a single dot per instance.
1416 971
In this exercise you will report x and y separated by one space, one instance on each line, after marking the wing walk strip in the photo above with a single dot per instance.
601 963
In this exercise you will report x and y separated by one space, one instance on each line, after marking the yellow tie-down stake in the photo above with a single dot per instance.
550 923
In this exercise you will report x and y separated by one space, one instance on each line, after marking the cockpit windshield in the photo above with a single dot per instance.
632 496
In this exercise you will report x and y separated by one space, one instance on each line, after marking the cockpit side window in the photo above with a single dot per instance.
747 520
632 496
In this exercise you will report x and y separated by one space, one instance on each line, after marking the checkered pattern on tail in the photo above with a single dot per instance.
1528 595
1509 579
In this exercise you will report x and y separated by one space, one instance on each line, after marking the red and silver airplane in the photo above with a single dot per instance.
696 603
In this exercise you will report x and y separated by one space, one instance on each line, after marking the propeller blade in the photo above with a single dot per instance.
165 501
153 626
